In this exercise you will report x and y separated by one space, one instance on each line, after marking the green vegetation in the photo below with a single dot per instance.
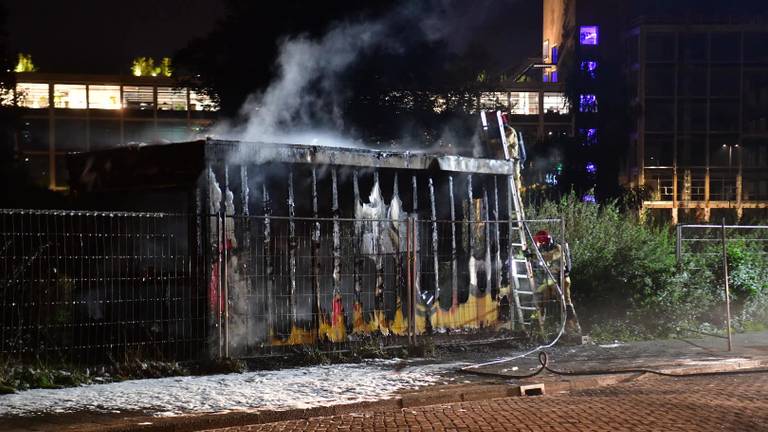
627 284
16 375
25 64
145 66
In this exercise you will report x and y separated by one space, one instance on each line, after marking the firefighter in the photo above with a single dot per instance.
555 256
516 151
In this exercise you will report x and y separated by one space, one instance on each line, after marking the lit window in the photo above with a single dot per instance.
201 102
588 35
493 100
591 168
590 136
104 97
554 76
31 95
590 68
69 96
555 103
6 96
136 97
588 103
524 103
550 178
171 99
554 55
545 51
545 76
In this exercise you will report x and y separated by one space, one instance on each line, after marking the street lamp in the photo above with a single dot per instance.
730 148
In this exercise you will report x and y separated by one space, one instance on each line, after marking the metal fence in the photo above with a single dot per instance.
336 283
90 286
703 244
95 286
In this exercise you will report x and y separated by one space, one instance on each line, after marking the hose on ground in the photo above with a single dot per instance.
544 366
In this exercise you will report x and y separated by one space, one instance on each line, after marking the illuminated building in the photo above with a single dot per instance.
678 93
67 113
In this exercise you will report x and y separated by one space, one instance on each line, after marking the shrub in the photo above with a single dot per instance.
626 280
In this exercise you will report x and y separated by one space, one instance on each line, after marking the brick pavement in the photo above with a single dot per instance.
734 402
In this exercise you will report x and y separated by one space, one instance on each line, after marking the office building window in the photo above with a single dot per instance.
554 55
545 51
140 98
201 102
589 35
660 47
32 95
104 97
171 99
493 100
524 103
659 150
588 103
553 76
70 96
589 68
589 135
555 103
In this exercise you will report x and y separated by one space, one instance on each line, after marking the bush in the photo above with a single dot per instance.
626 280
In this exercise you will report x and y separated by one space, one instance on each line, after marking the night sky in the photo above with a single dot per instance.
97 36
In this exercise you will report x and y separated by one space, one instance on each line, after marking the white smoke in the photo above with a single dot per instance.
304 102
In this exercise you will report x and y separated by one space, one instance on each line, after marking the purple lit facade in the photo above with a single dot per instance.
589 35
590 136
588 103
590 68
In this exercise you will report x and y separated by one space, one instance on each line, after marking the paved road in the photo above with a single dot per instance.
735 402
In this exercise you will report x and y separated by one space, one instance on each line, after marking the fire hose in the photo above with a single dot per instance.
544 366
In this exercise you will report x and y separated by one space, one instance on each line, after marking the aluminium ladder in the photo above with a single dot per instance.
520 271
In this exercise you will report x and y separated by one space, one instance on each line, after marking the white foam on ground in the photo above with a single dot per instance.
261 390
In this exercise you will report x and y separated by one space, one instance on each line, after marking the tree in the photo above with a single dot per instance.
145 66
25 64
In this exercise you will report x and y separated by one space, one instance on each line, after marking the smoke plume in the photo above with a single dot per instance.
304 104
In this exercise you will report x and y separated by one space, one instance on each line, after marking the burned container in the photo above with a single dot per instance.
305 244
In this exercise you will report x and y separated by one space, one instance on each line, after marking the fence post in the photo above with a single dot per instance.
563 261
218 283
409 281
727 290
224 282
679 243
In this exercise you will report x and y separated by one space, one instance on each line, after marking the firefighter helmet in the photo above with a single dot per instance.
542 238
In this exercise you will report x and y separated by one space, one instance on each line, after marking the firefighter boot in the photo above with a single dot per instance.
572 326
